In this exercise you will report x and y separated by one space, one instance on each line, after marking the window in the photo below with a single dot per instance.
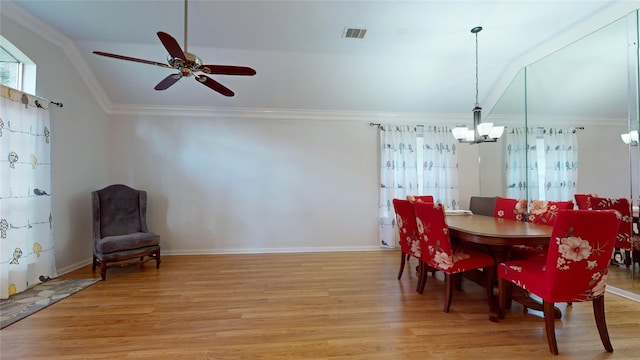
16 69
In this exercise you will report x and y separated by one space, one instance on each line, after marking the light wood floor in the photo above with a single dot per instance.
299 306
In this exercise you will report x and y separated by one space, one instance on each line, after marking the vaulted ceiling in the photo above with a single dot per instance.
416 56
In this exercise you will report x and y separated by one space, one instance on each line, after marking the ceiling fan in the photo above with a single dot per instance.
187 64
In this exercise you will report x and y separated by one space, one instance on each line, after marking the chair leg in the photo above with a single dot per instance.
158 259
103 270
448 288
598 312
488 278
424 272
402 260
550 326
95 263
421 273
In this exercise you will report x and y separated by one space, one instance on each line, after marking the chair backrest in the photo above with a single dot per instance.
583 201
482 205
512 209
545 212
434 234
579 254
118 210
623 207
407 229
420 198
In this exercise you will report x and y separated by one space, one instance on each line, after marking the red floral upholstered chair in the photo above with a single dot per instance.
583 201
545 212
625 237
421 198
407 232
512 209
575 269
439 253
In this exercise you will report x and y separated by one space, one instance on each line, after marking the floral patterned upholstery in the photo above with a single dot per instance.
545 212
407 231
575 269
625 237
512 209
421 198
439 253
583 201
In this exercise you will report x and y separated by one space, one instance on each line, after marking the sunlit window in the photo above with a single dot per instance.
10 69
16 69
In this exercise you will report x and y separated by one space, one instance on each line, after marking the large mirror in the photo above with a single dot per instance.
587 95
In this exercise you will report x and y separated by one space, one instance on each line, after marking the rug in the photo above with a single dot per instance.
28 302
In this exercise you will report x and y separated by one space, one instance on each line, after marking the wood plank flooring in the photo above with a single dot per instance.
299 306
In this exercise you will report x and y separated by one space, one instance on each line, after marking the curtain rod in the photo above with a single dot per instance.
24 97
378 124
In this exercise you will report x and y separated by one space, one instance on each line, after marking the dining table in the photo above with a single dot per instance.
496 236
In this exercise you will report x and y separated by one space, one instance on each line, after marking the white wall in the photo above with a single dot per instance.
78 144
261 185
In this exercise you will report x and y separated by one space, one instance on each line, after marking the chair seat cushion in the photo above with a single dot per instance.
117 243
464 259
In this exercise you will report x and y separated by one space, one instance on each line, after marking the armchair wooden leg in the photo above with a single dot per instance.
550 326
598 312
95 263
158 259
103 270
402 261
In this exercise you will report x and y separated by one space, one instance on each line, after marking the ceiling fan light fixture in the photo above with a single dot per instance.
186 63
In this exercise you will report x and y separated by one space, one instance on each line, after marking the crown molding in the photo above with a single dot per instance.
281 114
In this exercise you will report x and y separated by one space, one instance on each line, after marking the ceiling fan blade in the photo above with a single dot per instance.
214 85
122 57
171 45
168 81
226 70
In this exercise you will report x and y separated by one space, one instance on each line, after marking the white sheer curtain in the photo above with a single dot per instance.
440 166
561 159
541 163
26 236
515 163
398 175
400 172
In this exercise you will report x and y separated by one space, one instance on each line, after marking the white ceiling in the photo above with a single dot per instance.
416 57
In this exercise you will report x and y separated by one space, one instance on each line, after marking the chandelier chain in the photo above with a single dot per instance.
477 104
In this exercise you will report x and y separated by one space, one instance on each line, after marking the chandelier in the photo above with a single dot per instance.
481 132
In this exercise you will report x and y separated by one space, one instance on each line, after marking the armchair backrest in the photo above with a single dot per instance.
118 210
512 209
583 201
420 198
545 212
407 230
579 254
434 234
482 205
622 206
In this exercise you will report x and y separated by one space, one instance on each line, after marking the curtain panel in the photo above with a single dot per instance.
402 173
541 163
26 223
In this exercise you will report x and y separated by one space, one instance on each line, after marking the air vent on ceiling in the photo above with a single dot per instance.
352 33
